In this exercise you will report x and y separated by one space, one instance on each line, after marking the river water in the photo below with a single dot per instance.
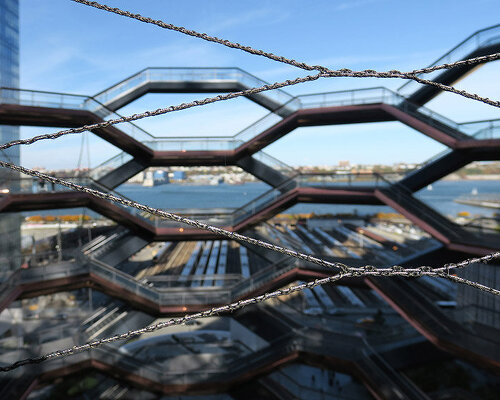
178 196
441 197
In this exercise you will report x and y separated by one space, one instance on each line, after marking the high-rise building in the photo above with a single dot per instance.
9 78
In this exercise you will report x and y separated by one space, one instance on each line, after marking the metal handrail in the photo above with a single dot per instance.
474 36
145 70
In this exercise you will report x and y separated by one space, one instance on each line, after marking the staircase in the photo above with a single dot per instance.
189 80
401 199
102 320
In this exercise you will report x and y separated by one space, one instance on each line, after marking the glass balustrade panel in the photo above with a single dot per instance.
483 38
110 165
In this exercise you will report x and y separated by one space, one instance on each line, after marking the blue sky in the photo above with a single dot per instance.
68 47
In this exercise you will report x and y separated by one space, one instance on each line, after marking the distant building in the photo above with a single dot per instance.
10 245
179 175
155 178
160 177
9 70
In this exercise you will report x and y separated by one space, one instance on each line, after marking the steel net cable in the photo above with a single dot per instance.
208 100
324 70
395 271
174 217
251 50
345 271
160 111
198 224
258 52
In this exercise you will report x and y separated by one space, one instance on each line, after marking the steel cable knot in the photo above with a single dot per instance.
423 270
367 269
397 268
321 69
447 267
234 306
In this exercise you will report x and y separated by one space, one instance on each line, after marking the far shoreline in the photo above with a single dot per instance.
470 178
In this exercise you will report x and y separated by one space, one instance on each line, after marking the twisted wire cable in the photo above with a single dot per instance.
345 271
271 56
174 217
160 111
197 224
395 271
344 72
227 96
463 281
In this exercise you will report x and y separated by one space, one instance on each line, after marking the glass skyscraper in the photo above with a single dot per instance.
9 78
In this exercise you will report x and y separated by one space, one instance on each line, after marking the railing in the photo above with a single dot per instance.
484 129
217 144
480 130
189 144
204 295
230 216
193 143
34 185
482 38
109 165
306 340
275 164
326 180
340 98
51 334
331 99
374 95
38 98
168 281
234 217
432 118
483 236
174 296
262 276
488 129
362 96
16 260
151 75
299 339
428 162
404 197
